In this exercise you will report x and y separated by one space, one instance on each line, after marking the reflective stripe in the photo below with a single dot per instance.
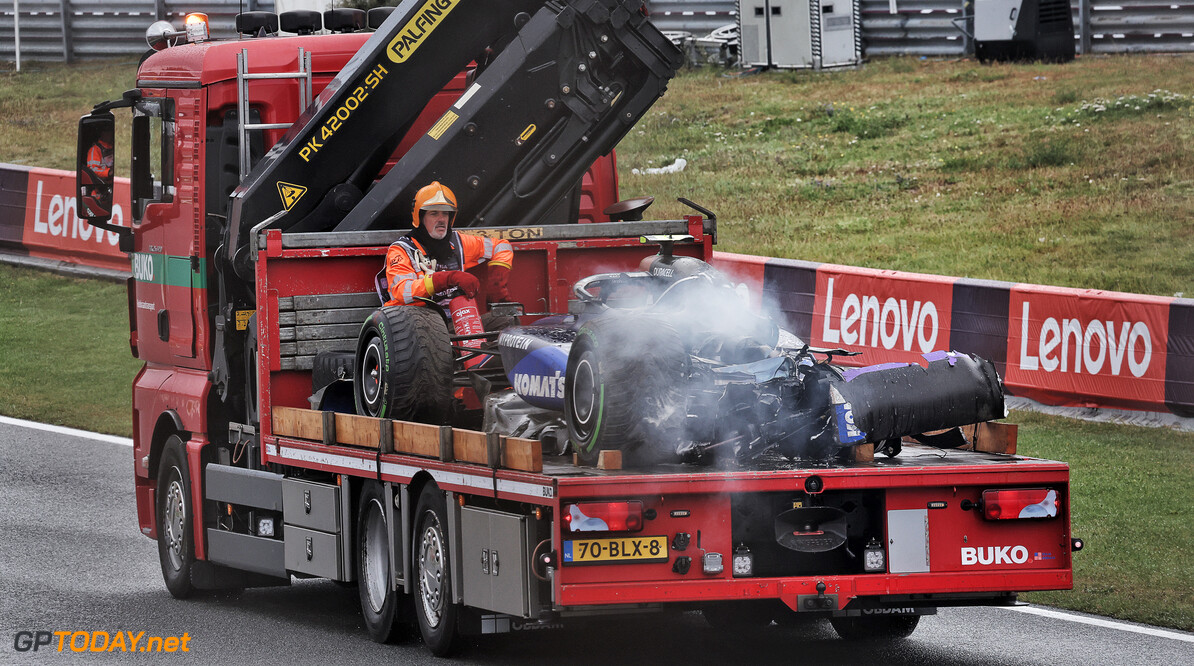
488 247
405 276
407 296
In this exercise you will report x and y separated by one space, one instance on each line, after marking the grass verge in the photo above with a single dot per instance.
64 351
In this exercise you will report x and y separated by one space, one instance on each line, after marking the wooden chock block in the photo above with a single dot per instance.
609 459
862 452
358 430
470 446
991 437
525 455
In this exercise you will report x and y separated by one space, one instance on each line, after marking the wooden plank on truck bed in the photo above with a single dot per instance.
420 439
335 301
470 446
300 423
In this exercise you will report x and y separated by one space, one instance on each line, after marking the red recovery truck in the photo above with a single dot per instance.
255 250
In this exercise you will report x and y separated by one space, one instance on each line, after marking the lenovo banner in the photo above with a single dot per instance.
51 228
892 317
1087 348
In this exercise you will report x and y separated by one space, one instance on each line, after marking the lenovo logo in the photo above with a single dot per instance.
1094 346
988 555
891 324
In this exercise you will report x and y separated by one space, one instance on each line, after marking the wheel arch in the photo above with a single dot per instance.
168 423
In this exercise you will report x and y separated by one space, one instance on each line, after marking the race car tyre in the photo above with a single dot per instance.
875 627
433 573
379 599
404 365
625 389
175 516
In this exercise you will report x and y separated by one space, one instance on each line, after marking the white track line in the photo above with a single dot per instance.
111 439
1099 622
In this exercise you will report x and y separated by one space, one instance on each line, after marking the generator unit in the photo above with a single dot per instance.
800 34
1023 30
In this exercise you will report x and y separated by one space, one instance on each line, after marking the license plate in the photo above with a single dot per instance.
629 549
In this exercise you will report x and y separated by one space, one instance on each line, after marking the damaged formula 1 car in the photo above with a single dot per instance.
670 363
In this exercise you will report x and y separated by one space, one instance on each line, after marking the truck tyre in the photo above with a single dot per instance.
625 389
404 365
379 599
175 516
875 627
433 573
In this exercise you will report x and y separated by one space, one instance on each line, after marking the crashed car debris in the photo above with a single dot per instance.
670 363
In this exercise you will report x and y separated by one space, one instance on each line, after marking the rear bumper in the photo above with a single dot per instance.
946 588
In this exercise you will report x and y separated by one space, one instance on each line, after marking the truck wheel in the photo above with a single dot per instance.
625 389
379 599
176 547
433 601
404 365
875 627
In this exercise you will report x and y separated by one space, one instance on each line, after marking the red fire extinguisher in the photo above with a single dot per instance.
466 319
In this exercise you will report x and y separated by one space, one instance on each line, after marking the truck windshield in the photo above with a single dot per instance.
153 154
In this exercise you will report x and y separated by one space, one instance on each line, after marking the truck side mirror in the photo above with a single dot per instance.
95 175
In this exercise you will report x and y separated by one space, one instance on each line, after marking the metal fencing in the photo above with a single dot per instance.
930 27
64 30
69 29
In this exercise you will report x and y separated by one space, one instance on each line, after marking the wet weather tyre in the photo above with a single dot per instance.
875 627
434 608
625 389
175 516
379 600
404 365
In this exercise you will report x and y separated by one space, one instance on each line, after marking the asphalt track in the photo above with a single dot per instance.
72 559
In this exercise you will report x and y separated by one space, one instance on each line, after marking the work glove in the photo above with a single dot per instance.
442 281
498 290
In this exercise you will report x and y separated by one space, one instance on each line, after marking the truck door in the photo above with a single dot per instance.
165 277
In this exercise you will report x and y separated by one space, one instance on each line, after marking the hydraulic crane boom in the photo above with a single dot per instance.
559 88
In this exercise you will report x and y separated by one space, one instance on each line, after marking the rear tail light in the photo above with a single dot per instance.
1020 503
604 517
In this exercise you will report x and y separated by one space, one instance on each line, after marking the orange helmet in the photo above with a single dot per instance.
433 197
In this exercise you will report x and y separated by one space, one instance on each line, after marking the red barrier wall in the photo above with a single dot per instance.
37 218
1058 346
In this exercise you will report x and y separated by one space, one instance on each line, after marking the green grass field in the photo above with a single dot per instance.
1006 172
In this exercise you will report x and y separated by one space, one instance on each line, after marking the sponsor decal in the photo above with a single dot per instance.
290 193
515 341
1101 348
412 35
663 271
1038 556
892 317
539 386
847 432
994 555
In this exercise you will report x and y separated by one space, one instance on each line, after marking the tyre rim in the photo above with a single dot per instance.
375 556
584 395
432 573
371 375
175 515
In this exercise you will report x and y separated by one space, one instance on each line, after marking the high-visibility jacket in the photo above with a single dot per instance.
409 269
99 160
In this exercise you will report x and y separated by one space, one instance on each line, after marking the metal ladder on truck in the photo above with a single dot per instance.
242 99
